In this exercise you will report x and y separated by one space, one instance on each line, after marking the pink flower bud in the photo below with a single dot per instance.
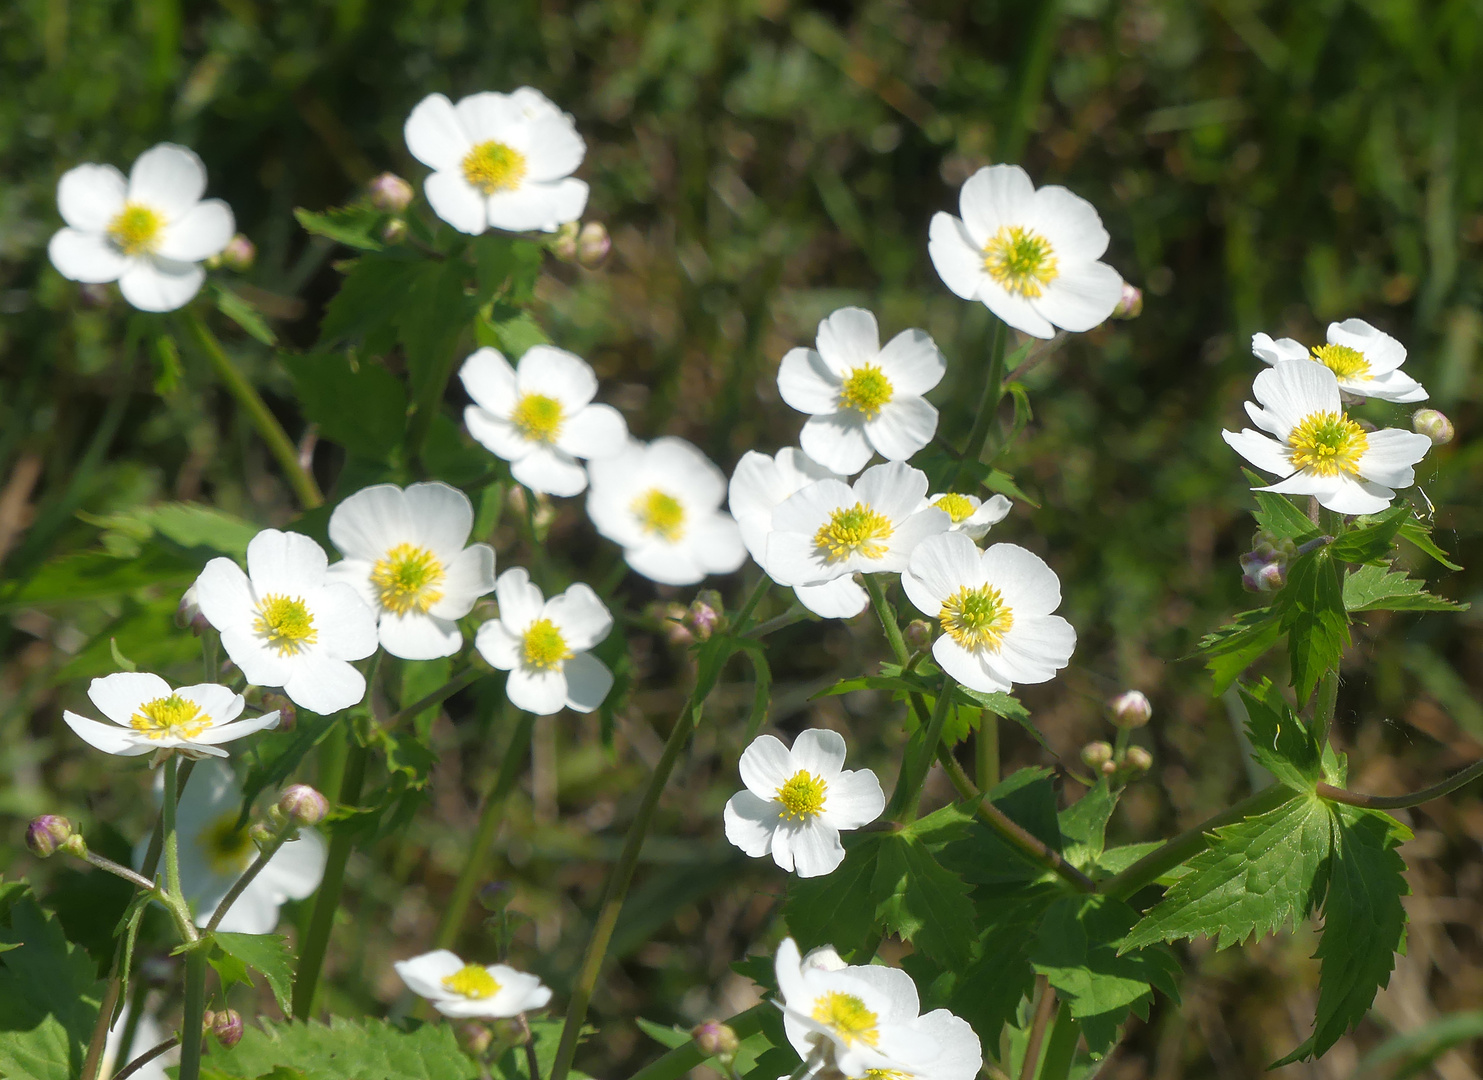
705 614
288 716
390 192
239 254
1130 709
1131 304
1096 754
593 245
715 1039
47 833
1433 425
227 1026
303 805
474 1037
917 635
1138 759
495 895
394 231
564 244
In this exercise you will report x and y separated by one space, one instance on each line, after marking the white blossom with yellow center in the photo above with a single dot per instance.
862 399
502 161
287 622
829 530
544 645
149 716
540 417
1030 256
458 989
1366 361
797 801
149 233
407 554
994 609
970 515
661 502
1317 448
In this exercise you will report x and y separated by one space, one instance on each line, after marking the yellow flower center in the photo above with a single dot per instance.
286 623
958 507
854 530
173 716
848 1017
866 390
135 230
228 849
660 514
1020 260
802 795
492 166
1326 443
976 617
406 579
472 981
1343 361
538 418
543 646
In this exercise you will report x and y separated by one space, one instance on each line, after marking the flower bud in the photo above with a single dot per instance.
1131 304
675 618
262 834
824 958
509 1031
94 295
917 635
239 255
188 615
1138 759
1269 578
1433 425
390 192
227 1026
495 895
564 244
288 716
75 845
705 614
1130 709
715 1039
593 245
394 231
303 805
47 833
1096 754
474 1037
1109 768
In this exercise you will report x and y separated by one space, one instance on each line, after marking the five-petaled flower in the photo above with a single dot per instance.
502 161
286 623
971 515
149 233
458 989
1031 257
539 416
1318 449
149 716
1366 361
405 555
862 399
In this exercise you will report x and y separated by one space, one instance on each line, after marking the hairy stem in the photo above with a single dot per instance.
986 751
1323 708
1060 1049
988 405
240 885
1045 1009
877 593
145 1058
102 863
191 1023
920 763
1400 802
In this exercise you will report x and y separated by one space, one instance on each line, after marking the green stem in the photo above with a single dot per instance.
986 751
136 1012
236 384
1323 708
1401 802
167 817
149 1055
103 863
191 1022
988 405
437 697
240 885
887 617
1060 1048
922 759
1045 1010
749 606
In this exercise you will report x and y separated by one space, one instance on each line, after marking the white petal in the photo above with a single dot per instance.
556 373
548 470
765 766
694 476
490 115
518 992
153 284
285 562
1274 352
201 232
993 197
960 1055
537 206
588 681
1381 351
297 868
837 441
370 522
346 626
223 733
715 543
89 197
424 974
498 435
902 428
1262 451
219 702
224 594
434 135
849 338
967 667
86 256
555 150
456 201
497 645
1293 390
1394 386
667 564
167 178
794 559
1028 585
818 751
467 577
910 533
894 489
1015 310
540 692
581 617
598 431
109 738
1070 223
815 846
118 696
939 567
959 262
1081 297
750 821
806 383
811 506
260 664
489 379
520 600
855 799
841 598
323 685
1390 455
417 636
1035 648
442 518
913 363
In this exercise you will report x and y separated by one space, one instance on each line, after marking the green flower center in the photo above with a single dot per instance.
1327 443
802 795
173 716
406 579
538 418
848 1017
286 623
136 230
472 981
543 645
976 618
854 530
660 514
1343 361
492 166
866 390
1020 260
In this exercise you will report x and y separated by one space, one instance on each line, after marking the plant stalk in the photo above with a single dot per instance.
1401 802
437 697
191 1023
1060 1049
1045 1009
264 856
145 1058
988 404
986 751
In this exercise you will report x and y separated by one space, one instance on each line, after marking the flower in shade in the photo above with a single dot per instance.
543 645
149 233
1318 450
861 398
540 417
287 623
995 609
149 716
405 555
797 801
971 515
759 484
1030 257
829 529
660 502
459 989
502 161
1366 361
214 851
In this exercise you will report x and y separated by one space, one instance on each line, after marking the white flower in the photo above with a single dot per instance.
149 233
502 161
459 989
1029 256
214 853
798 801
148 715
995 609
1366 361
828 530
660 502
540 417
971 515
758 485
860 397
856 1019
405 555
543 645
285 623
1318 449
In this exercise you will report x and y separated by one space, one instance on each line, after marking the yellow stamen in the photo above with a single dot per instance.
538 417
660 514
286 623
856 530
1343 361
802 795
958 507
228 849
866 390
136 230
171 716
976 618
492 166
1020 260
1326 443
848 1017
406 579
472 981
544 646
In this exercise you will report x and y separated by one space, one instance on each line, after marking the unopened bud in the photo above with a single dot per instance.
593 245
1130 306
390 192
262 835
1138 759
705 614
1109 768
474 1037
564 244
510 1031
75 845
1268 578
675 618
1096 754
239 255
917 635
495 895
824 958
47 833
1130 709
715 1039
303 805
227 1026
188 615
1433 425
394 231
288 716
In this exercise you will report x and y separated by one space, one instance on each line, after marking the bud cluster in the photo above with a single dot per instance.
716 1040
1264 567
587 245
697 622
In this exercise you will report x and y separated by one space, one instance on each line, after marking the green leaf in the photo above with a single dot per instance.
274 761
1001 482
353 226
187 525
430 320
1277 516
1028 798
1259 875
836 909
96 575
672 1037
512 336
987 993
168 369
545 1036
1310 608
1083 824
366 1050
1373 540
1280 741
1419 536
362 407
244 315
1233 648
1411 1053
267 953
919 900
368 300
1378 588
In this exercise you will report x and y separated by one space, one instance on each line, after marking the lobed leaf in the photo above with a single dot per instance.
1378 588
1280 741
1083 824
366 1050
266 953
354 226
919 900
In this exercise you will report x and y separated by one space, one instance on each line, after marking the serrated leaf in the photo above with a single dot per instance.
1420 537
430 319
1372 540
1378 588
363 408
1310 609
1276 515
1233 648
1280 741
366 1050
266 953
1028 798
671 1037
244 315
353 226
837 908
368 299
988 991
919 900
1083 824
